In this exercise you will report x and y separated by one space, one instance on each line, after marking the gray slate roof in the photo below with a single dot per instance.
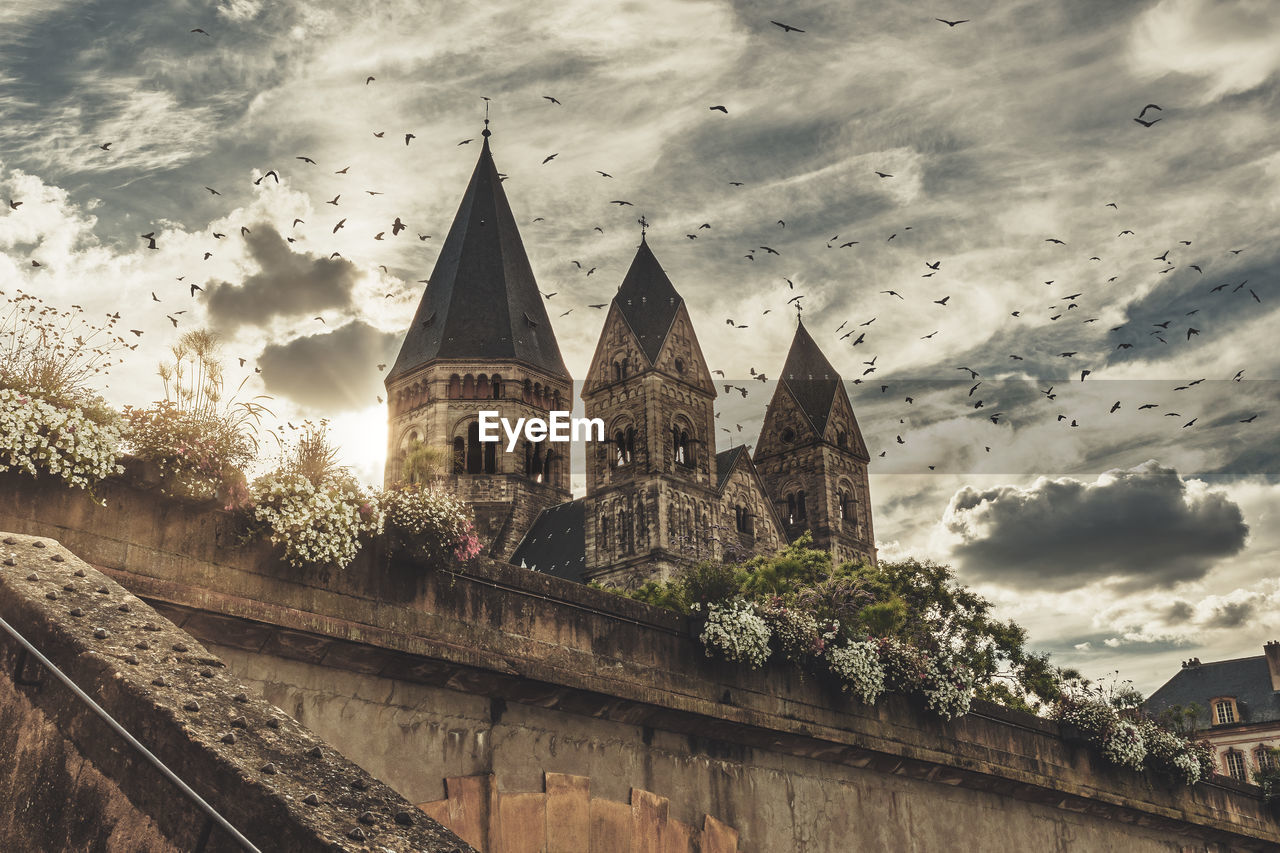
556 543
811 378
482 300
648 301
725 460
1247 679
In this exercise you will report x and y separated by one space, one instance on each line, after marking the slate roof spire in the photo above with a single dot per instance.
810 377
648 300
482 301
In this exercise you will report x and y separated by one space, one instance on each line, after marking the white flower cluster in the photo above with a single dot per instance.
857 665
795 631
1123 745
316 525
38 437
1170 753
736 632
947 686
431 520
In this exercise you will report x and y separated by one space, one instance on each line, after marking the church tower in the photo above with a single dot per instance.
482 340
812 457
652 485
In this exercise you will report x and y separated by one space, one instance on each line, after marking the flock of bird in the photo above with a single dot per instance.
1060 308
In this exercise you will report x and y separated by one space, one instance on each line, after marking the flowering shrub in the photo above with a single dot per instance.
1171 754
736 632
795 632
37 437
1123 745
1093 718
316 524
903 665
857 666
947 686
197 455
430 523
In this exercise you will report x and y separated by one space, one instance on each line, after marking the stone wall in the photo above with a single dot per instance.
72 783
493 671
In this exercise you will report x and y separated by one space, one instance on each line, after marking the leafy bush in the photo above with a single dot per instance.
857 667
946 645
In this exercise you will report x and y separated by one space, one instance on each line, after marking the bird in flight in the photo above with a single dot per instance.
213 191
1149 107
942 301
551 99
550 157
786 28
272 173
334 201
1055 240
603 174
952 23
721 108
407 137
201 32
618 202
369 80
150 237
341 222
1146 123
884 174
306 160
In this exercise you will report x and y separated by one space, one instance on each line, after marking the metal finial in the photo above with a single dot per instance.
644 225
485 133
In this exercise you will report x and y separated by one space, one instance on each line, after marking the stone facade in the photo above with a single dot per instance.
438 405
814 463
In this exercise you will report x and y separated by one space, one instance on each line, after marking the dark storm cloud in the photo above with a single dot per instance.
1140 527
332 371
286 283
1231 614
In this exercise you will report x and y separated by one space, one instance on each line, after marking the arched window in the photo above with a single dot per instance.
617 371
475 461
496 384
801 515
846 506
482 387
468 387
842 440
537 395
527 396
455 387
743 520
1234 761
624 442
681 445
791 509
555 401
549 467
533 461
459 456
604 532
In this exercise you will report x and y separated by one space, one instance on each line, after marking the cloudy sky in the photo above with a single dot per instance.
1023 214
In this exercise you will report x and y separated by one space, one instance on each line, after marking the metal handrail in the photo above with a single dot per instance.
209 810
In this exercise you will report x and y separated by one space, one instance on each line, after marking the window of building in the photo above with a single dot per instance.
481 457
801 515
1224 711
791 509
604 532
455 387
459 456
842 440
624 446
497 387
533 463
743 520
1265 757
682 446
846 505
1234 760
788 435
679 365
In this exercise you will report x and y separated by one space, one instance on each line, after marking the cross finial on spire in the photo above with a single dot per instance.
485 132
644 226
799 310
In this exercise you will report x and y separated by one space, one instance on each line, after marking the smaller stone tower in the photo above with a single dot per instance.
812 457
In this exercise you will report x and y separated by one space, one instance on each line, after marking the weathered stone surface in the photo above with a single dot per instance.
426 675
72 784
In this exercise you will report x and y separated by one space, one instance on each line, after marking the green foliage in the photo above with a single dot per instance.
919 603
1268 779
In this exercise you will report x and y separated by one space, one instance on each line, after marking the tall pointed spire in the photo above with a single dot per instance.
482 301
810 377
648 300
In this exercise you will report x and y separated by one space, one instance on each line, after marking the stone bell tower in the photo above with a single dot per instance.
481 339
